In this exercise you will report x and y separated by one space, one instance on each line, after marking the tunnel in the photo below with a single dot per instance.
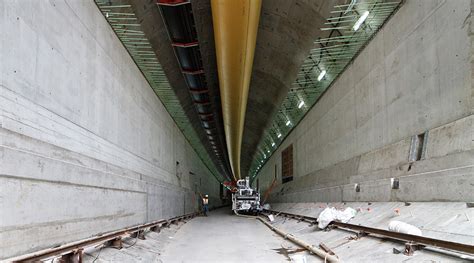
236 131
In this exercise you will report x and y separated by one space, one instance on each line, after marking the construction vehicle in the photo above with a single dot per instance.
245 199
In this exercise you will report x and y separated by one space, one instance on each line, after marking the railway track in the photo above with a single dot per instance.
412 242
73 252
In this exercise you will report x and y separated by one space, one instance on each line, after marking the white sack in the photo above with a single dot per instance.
402 227
330 214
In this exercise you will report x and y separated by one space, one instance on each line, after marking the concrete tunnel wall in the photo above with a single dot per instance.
86 146
414 76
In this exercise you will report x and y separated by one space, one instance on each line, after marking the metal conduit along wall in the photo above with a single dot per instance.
179 20
235 31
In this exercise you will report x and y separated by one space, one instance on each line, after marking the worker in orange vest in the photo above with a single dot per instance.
205 204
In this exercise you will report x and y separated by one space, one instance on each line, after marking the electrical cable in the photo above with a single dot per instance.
136 239
100 250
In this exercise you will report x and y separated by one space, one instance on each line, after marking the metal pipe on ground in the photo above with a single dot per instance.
319 252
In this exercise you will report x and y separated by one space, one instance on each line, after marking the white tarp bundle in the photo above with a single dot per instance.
330 214
402 227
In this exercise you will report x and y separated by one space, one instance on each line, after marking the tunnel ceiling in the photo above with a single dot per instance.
303 66
302 46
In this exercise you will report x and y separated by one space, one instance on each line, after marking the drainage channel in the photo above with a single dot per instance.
412 242
73 252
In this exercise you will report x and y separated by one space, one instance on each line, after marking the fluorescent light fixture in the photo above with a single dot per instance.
279 135
321 75
273 144
288 123
301 104
361 20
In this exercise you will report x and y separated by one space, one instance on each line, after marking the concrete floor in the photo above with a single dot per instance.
220 237
223 237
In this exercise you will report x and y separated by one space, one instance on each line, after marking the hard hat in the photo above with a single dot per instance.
206 195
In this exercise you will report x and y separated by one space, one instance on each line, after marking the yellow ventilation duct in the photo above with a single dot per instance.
235 33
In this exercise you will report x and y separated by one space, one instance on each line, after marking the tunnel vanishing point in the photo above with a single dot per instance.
123 121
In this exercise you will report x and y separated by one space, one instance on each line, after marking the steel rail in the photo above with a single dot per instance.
101 238
420 240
